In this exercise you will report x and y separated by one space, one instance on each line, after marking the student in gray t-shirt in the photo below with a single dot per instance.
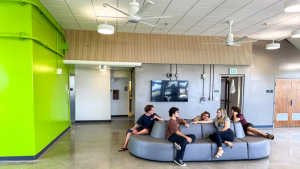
224 133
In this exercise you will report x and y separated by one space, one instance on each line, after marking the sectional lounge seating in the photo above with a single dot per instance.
156 147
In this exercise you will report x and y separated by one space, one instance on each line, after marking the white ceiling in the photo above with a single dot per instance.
190 17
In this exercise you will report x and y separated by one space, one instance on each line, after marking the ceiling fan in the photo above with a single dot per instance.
135 14
229 39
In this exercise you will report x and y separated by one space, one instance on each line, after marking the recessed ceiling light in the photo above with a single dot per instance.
292 6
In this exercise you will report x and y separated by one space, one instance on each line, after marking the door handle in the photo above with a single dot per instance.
293 102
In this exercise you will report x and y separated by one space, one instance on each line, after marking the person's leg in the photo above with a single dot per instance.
212 137
256 132
226 136
143 131
180 140
251 134
192 136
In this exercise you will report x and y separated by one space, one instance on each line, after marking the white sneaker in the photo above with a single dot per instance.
179 162
177 146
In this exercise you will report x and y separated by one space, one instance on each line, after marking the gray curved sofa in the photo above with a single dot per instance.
156 147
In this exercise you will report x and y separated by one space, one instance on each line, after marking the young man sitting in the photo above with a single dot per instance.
174 135
143 125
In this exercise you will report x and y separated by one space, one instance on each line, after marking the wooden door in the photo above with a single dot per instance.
282 102
286 91
296 98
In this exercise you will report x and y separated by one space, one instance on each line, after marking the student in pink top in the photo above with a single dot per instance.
248 127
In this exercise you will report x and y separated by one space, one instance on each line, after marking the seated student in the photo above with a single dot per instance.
224 133
248 127
143 125
175 136
204 116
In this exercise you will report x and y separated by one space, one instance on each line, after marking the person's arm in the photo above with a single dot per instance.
208 121
235 118
195 119
185 124
157 117
180 134
135 126
226 126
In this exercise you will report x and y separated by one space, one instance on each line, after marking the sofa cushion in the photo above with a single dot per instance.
239 131
258 147
159 130
199 150
193 129
238 152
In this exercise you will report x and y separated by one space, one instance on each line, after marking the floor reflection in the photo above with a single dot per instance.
95 146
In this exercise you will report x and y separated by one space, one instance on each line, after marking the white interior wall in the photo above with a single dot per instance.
92 95
120 106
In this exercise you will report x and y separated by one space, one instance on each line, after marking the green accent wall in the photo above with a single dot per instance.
34 106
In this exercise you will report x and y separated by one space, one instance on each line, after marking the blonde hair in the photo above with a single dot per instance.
223 116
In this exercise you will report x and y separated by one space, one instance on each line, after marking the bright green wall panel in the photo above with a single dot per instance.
51 109
16 86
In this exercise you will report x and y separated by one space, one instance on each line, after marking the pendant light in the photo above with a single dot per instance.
292 6
295 34
105 29
272 46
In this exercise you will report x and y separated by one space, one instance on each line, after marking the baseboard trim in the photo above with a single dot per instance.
22 158
91 121
263 126
119 115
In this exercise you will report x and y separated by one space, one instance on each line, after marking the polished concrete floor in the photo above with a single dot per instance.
95 146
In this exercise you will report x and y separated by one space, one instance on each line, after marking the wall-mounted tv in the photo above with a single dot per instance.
169 91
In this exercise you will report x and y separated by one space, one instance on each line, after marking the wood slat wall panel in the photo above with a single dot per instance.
153 48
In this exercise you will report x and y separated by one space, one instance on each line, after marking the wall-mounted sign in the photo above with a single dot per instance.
233 71
216 91
269 91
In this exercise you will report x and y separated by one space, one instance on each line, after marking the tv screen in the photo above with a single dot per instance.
169 91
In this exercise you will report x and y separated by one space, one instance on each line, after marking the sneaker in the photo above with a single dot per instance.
179 162
177 146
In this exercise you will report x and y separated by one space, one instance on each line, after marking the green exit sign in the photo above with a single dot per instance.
233 71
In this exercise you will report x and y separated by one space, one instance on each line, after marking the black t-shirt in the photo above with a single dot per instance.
147 121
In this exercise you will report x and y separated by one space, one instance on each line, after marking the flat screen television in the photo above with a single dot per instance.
169 91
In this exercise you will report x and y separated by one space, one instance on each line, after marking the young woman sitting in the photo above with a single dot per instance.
224 134
248 127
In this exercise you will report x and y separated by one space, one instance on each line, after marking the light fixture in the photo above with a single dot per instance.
295 34
273 45
105 29
292 6
102 68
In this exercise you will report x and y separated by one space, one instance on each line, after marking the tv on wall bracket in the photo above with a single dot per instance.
169 91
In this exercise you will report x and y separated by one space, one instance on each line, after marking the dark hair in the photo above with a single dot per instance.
172 111
148 108
236 109
205 112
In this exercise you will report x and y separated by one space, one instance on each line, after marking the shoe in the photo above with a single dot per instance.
218 155
177 146
179 162
230 144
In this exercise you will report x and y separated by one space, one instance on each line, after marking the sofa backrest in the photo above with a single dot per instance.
159 130
195 129
239 131
210 128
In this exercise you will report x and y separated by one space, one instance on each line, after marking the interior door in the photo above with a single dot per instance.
295 114
283 106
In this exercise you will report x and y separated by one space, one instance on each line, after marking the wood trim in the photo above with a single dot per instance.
153 48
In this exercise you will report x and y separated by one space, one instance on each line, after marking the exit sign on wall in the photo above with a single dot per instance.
233 71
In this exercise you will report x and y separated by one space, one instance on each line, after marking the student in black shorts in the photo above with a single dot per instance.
248 127
143 126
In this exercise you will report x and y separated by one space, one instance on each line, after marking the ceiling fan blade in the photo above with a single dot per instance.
238 45
240 39
144 8
110 17
213 43
147 23
246 41
156 17
106 4
125 23
221 39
